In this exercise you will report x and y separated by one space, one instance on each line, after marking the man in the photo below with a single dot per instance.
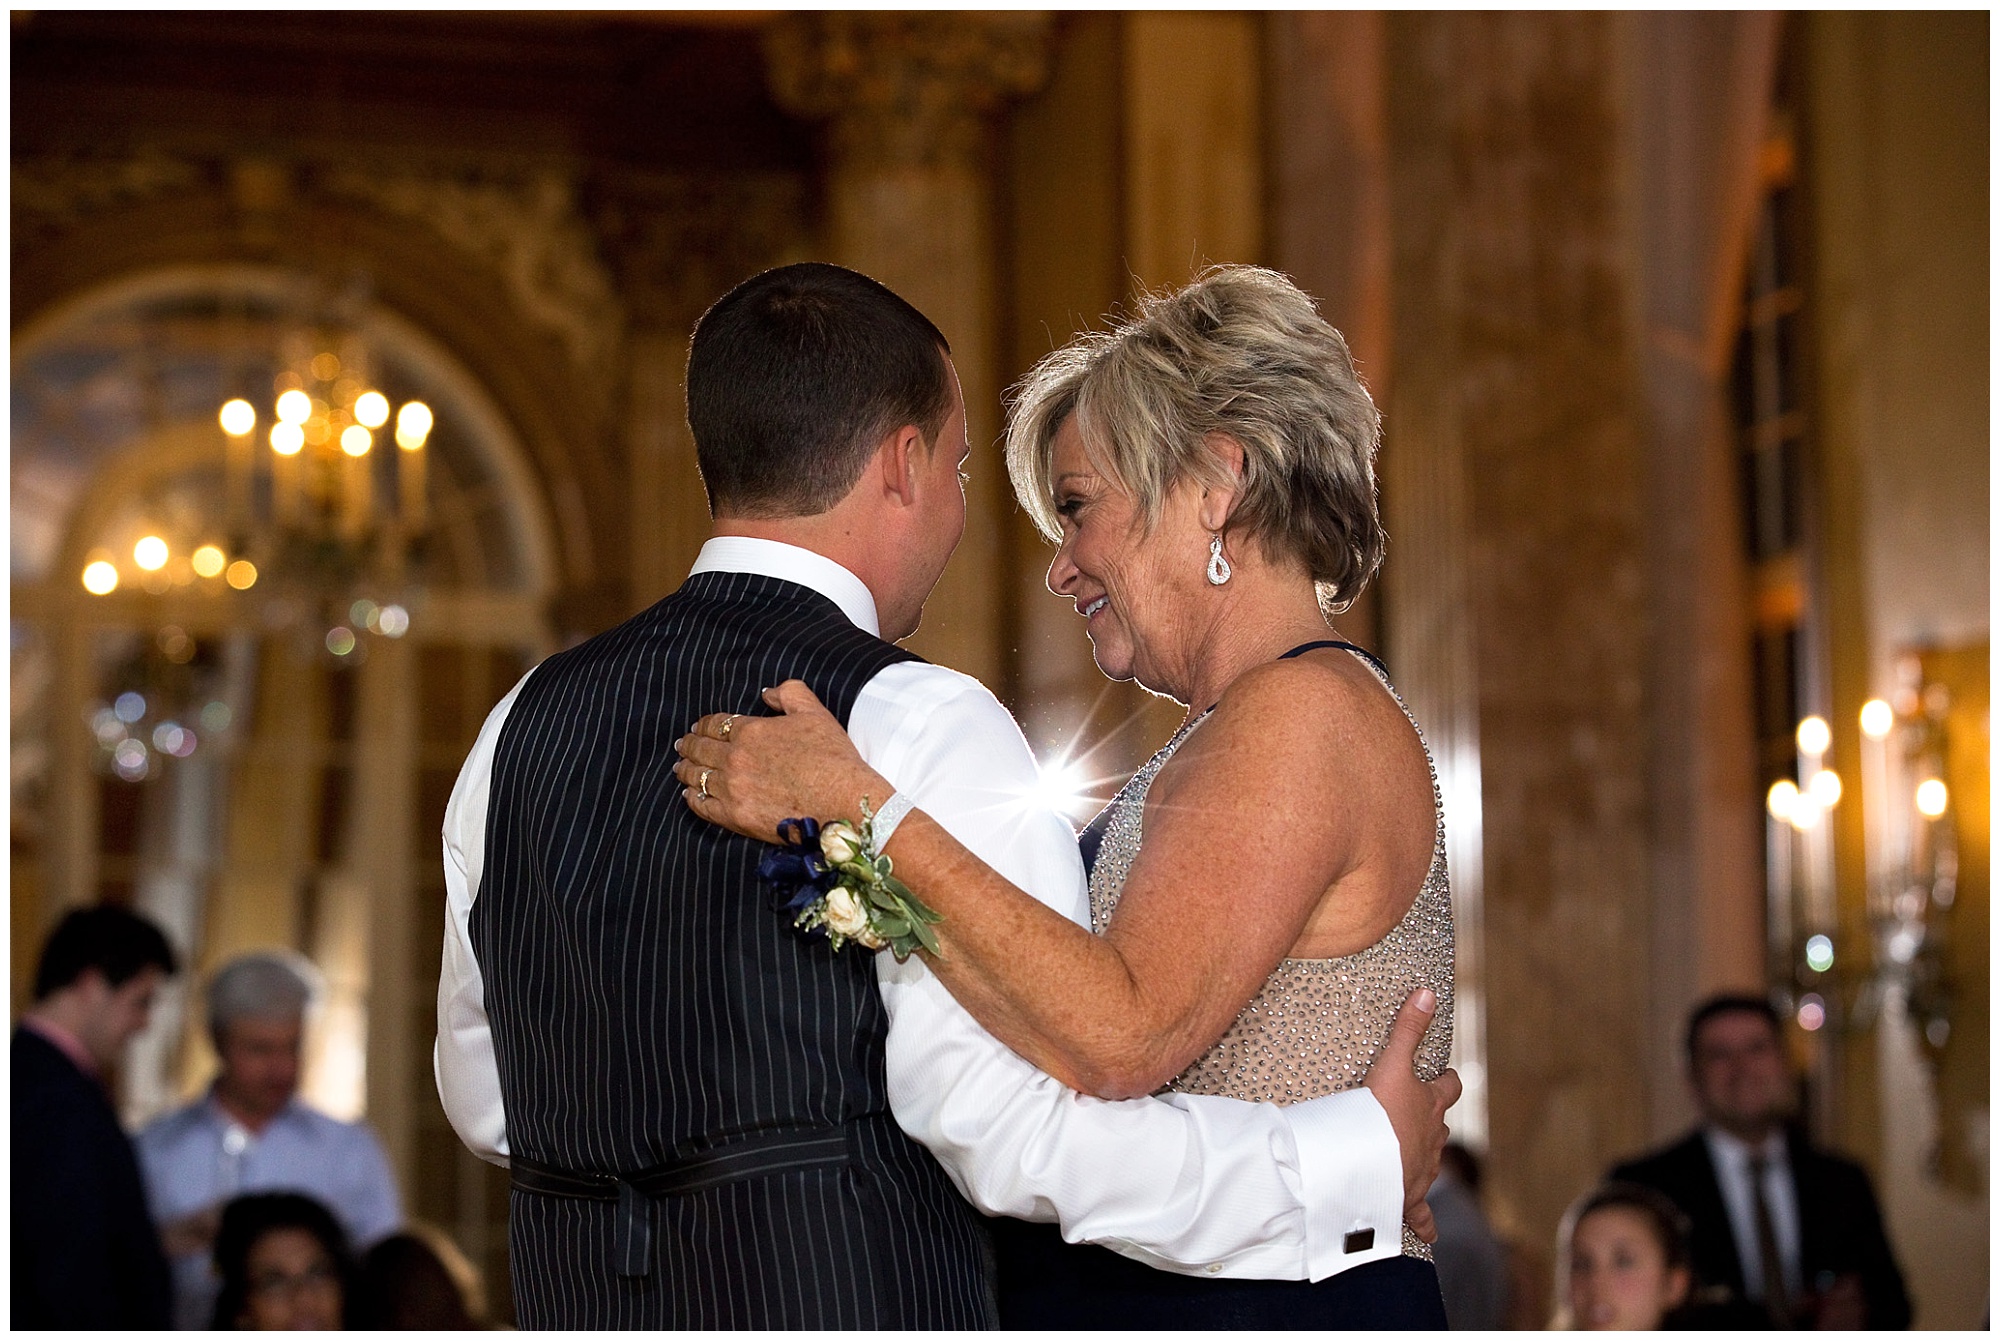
1790 1230
250 1132
1472 1262
85 1252
695 1100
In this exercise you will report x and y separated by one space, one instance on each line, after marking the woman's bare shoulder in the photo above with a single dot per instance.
1326 697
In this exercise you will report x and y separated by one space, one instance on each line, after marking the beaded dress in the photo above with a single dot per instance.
1316 1025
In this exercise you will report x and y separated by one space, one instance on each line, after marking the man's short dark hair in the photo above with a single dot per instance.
795 375
115 942
1734 1003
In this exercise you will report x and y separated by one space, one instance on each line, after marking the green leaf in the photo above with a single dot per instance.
890 927
928 937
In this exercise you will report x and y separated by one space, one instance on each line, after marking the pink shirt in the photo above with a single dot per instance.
71 1046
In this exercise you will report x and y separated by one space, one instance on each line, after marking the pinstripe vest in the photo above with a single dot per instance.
649 1001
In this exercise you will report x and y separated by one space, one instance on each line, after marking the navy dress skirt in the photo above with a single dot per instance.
1045 1283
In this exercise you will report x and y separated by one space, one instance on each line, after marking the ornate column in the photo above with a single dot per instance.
678 243
1697 127
907 100
1513 471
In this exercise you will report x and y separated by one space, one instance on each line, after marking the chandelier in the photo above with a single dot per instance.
321 506
1911 852
322 523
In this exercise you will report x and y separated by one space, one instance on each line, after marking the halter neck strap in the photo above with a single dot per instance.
1363 652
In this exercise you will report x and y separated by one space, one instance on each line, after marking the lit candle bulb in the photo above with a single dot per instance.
413 427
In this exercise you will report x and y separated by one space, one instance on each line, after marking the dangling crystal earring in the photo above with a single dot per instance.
1218 567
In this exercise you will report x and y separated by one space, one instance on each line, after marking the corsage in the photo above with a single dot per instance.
841 887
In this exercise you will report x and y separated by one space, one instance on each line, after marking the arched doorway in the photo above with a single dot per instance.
263 762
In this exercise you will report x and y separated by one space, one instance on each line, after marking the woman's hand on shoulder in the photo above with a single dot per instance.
749 774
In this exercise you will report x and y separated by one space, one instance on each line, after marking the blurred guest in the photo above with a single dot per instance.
85 1253
1792 1230
417 1280
284 1266
1622 1255
1471 1259
251 1133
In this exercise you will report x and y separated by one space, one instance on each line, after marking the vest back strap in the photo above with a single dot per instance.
756 1155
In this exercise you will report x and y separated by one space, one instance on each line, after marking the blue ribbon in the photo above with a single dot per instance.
796 868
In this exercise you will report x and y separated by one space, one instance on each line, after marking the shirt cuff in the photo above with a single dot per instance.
1351 1169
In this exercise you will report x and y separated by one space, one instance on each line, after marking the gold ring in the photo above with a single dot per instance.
702 792
728 723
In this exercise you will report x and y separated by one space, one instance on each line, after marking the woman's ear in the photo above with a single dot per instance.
1219 500
1678 1281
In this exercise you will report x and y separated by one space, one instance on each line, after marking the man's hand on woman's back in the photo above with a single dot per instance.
1415 1107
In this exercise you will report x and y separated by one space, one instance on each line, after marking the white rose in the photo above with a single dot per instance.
869 940
845 916
839 843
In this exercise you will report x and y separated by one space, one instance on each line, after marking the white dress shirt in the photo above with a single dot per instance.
1731 1158
1188 1183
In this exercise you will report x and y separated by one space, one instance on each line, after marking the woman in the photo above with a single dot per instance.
417 1280
284 1265
1623 1260
1271 886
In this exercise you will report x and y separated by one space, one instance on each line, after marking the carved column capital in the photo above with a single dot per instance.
680 240
905 88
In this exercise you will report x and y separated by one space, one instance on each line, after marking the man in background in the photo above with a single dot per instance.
85 1253
251 1132
1792 1230
1472 1262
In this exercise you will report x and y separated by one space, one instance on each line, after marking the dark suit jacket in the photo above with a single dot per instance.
1840 1226
85 1252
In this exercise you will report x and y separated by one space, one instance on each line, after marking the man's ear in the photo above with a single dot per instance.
899 460
1219 500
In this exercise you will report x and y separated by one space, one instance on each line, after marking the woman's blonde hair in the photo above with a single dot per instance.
1240 352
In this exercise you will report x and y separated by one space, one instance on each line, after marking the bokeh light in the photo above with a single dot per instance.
1825 788
295 407
1812 1012
287 439
150 553
1932 798
209 561
393 621
413 425
241 575
1814 736
100 577
1782 799
238 417
356 440
104 724
1877 719
131 760
340 640
371 409
130 706
1819 953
